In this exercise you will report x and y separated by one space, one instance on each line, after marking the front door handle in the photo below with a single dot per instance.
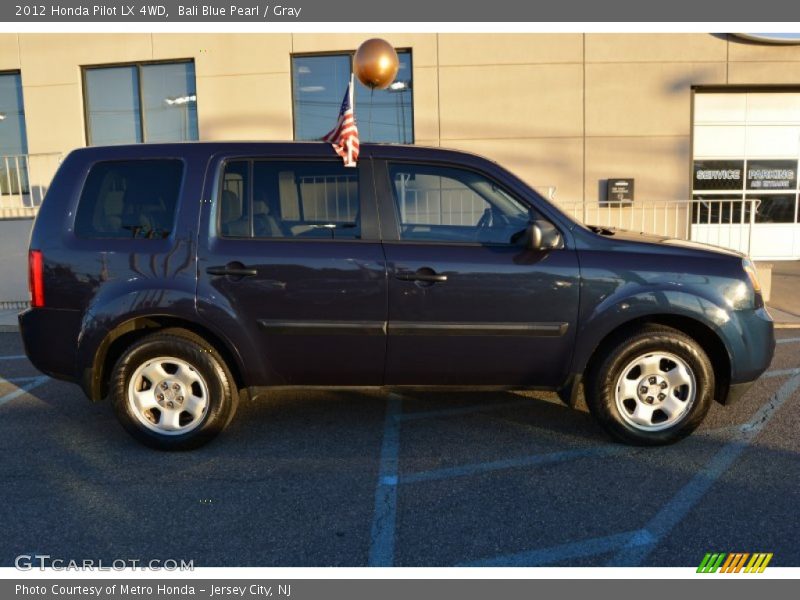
232 269
425 274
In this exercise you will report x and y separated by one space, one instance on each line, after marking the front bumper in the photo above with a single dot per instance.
751 353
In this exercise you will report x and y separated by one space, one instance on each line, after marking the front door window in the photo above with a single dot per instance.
443 204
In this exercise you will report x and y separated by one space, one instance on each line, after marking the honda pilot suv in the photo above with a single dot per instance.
176 279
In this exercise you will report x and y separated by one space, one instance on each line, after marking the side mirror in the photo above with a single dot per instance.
534 236
542 235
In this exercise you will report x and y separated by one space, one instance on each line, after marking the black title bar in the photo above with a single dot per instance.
464 11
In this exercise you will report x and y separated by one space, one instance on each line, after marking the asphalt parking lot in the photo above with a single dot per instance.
418 479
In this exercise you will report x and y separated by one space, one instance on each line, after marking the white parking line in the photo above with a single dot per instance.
20 379
674 511
635 546
535 460
788 340
384 523
627 543
556 554
13 357
23 390
780 373
384 520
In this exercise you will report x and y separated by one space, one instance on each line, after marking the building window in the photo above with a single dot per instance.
319 83
140 103
13 140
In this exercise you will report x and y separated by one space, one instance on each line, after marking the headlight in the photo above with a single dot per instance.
750 269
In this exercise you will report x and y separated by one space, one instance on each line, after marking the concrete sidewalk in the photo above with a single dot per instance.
784 320
8 320
784 301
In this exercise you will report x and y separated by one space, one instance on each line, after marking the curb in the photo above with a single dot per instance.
783 319
12 305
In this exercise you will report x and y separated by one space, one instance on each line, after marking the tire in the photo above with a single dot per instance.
650 387
171 390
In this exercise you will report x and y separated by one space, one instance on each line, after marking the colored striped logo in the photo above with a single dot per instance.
734 562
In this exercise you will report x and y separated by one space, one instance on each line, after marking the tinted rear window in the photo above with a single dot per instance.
129 199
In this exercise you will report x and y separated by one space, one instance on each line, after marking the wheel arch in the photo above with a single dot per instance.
95 378
708 339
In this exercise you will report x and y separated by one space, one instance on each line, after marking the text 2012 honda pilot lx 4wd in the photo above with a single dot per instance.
176 278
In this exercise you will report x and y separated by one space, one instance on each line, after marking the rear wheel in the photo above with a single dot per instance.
172 391
651 387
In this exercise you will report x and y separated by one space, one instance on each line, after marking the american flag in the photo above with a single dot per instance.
344 137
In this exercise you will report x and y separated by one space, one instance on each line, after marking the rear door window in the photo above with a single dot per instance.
133 199
289 199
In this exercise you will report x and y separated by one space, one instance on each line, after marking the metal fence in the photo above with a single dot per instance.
725 223
24 179
323 198
445 205
439 206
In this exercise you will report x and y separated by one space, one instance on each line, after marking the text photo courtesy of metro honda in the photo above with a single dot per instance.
177 279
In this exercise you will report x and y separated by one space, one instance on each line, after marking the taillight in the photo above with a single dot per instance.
36 278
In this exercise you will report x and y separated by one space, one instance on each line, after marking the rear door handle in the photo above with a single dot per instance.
424 274
234 269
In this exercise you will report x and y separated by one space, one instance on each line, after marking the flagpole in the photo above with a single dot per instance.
353 108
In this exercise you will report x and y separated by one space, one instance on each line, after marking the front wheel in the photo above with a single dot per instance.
652 387
172 391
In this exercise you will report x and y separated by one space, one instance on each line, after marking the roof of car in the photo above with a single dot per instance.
278 148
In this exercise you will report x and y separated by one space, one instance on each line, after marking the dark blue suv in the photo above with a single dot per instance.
178 278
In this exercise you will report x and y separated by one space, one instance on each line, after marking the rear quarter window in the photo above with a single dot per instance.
133 199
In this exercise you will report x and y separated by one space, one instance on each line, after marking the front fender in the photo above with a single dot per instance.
620 309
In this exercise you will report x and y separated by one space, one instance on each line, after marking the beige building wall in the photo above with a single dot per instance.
563 110
638 108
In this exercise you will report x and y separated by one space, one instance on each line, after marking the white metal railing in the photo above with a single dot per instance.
24 179
725 223
440 206
446 205
329 197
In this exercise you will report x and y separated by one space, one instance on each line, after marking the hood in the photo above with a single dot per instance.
625 235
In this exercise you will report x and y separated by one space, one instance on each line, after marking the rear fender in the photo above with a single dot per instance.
141 309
